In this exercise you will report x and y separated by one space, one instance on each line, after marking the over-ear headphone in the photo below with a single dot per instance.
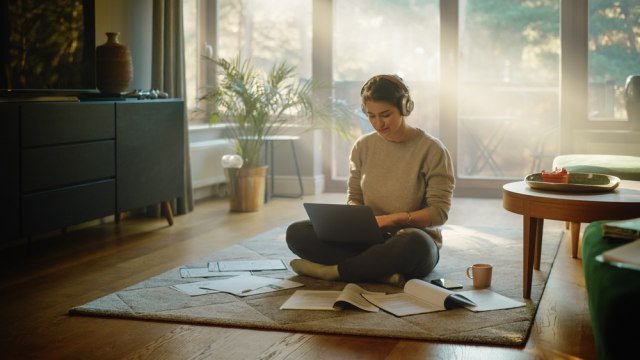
405 104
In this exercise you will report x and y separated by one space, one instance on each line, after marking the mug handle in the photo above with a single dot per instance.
469 274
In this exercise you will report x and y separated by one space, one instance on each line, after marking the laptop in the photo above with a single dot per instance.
343 223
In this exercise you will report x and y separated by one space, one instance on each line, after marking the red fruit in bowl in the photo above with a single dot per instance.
555 176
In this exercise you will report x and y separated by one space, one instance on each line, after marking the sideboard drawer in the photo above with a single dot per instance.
56 123
66 163
50 210
49 167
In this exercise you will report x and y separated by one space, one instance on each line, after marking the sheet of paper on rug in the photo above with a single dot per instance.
334 300
487 300
625 256
277 286
419 297
247 265
245 285
205 272
624 229
193 289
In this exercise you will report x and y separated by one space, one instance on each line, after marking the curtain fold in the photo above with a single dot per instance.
168 75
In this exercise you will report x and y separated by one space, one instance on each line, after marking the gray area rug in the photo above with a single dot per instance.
152 299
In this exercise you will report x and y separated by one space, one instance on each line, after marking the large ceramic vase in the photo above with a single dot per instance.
114 66
632 100
247 185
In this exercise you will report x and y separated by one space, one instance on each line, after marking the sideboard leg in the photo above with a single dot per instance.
166 205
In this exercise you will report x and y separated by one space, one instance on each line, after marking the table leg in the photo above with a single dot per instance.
268 158
575 238
272 169
538 238
295 161
530 227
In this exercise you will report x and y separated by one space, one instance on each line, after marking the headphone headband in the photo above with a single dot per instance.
396 79
405 104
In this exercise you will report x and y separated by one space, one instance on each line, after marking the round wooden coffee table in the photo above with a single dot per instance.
536 205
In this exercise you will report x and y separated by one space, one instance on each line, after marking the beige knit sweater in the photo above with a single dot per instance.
396 177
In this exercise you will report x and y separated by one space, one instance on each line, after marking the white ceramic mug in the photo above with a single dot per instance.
481 275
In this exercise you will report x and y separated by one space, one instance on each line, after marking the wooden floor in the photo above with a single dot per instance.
37 288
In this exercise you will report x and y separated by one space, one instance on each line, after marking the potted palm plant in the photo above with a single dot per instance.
254 106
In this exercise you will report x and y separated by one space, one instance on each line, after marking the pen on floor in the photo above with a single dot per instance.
249 290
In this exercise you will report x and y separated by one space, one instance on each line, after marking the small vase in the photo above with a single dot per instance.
114 66
632 100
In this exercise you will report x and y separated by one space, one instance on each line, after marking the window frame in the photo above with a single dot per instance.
573 87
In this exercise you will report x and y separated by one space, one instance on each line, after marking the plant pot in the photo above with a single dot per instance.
247 187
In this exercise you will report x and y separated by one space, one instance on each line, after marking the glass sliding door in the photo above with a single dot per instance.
373 37
508 87
613 46
614 54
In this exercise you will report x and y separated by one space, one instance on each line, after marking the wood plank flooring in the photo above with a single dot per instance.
39 286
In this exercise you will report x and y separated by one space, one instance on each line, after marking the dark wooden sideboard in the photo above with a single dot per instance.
65 163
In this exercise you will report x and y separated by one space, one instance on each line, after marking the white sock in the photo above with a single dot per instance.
315 270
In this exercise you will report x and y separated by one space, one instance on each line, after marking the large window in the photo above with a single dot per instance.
266 31
508 111
385 37
614 54
193 45
494 79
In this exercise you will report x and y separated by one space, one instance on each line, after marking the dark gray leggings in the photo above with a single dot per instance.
410 252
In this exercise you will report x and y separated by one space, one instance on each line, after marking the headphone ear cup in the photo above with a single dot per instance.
406 105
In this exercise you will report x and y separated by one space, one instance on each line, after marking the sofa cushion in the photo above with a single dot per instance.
623 166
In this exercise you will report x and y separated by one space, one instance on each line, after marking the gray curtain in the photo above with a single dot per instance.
168 75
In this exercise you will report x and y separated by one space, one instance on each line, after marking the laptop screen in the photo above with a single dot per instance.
344 223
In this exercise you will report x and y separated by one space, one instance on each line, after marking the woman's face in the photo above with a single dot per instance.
386 120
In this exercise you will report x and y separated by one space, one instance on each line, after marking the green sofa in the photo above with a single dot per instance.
614 297
623 166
